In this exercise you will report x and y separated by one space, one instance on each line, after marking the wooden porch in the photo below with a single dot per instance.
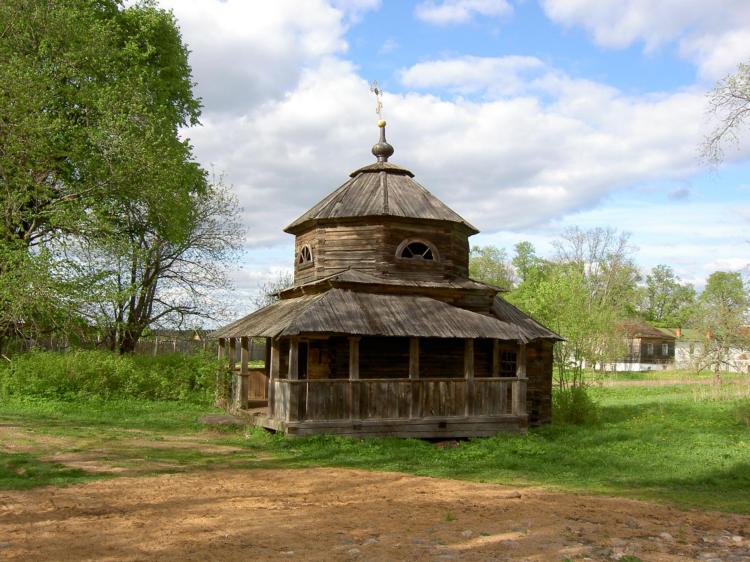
417 406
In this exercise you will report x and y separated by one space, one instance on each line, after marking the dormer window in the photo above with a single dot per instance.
417 250
304 257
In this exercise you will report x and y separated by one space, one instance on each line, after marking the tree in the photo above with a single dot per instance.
267 292
525 259
729 101
721 315
583 294
490 265
667 302
92 96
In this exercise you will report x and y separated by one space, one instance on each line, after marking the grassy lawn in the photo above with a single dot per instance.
654 442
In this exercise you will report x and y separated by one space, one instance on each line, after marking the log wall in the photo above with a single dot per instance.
371 248
539 391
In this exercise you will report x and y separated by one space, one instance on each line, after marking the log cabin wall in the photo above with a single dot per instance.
336 248
450 241
372 248
539 389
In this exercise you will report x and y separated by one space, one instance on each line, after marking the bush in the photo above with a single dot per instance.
102 374
574 405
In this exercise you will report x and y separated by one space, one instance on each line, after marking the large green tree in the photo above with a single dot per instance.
93 95
722 317
491 265
583 293
666 301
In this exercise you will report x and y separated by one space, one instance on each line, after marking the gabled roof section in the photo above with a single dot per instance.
380 190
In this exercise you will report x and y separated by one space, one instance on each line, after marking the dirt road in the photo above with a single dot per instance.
333 514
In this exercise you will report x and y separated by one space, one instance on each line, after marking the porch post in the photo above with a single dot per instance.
414 358
222 357
354 377
292 376
469 374
495 358
243 389
273 374
232 353
414 375
519 385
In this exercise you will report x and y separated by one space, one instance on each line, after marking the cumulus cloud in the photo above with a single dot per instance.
467 75
713 35
450 12
244 53
287 117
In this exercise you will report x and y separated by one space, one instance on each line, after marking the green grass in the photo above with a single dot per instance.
655 443
21 471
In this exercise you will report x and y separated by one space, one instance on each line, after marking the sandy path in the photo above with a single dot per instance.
334 514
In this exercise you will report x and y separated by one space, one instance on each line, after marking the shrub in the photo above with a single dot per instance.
103 374
574 405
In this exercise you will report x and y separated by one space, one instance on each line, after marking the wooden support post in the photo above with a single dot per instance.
354 377
267 358
293 373
243 381
219 390
413 376
414 358
232 353
521 361
519 385
496 358
292 376
273 375
469 374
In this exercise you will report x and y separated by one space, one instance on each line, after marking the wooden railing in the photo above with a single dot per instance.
365 399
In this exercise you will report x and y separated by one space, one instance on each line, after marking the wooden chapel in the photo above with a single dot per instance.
383 332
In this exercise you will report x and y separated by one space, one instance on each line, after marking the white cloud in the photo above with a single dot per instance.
450 12
244 53
537 144
466 75
713 35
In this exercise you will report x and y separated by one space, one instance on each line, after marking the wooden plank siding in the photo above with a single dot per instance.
326 400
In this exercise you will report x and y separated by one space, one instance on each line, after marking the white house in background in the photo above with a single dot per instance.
648 348
689 353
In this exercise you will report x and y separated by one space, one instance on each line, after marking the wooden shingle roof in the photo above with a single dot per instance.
381 189
339 311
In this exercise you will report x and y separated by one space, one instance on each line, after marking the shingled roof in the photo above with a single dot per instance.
380 190
339 311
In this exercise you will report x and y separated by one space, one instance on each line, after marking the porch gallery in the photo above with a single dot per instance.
383 333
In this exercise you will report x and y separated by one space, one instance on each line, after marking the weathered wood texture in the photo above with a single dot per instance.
539 373
340 311
372 249
325 400
370 193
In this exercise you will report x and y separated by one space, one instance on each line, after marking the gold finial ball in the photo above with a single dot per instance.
381 123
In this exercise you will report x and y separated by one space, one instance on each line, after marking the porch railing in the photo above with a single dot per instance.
364 399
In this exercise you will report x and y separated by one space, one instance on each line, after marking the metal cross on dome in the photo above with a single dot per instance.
378 91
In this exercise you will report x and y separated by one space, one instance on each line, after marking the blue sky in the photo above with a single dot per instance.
525 116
